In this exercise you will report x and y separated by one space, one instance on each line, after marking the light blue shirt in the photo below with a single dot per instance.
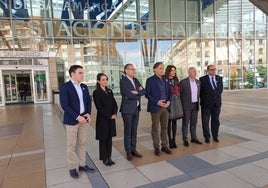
79 91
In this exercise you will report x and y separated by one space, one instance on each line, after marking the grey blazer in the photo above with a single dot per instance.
186 93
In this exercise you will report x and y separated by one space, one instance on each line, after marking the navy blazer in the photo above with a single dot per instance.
153 93
186 93
129 100
208 96
69 101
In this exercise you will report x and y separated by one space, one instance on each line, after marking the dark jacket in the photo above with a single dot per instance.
69 101
129 100
186 93
106 106
153 93
210 97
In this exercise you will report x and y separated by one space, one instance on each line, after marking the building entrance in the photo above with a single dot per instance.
17 86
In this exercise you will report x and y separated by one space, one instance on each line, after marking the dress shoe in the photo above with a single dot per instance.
186 143
129 156
111 161
216 139
74 174
196 141
166 150
171 146
207 140
136 154
157 152
86 168
107 162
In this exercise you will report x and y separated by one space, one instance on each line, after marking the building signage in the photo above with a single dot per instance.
31 54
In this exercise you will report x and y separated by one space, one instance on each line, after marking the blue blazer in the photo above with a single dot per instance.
153 92
129 100
69 101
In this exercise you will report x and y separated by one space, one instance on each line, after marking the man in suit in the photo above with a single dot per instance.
210 95
131 91
190 90
76 103
159 97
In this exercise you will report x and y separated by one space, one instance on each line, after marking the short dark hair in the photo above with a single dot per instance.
209 66
157 64
73 68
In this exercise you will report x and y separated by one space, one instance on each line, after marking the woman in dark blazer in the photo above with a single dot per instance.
105 122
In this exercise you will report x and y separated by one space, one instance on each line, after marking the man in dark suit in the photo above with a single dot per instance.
210 95
131 91
190 90
76 103
159 97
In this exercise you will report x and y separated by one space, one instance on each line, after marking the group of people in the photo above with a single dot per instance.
168 100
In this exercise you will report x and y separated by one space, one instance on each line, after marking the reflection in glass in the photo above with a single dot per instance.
40 85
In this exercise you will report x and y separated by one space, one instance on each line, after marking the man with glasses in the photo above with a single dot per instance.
210 100
131 91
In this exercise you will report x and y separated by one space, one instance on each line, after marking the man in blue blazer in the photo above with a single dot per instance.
159 97
131 91
76 103
210 95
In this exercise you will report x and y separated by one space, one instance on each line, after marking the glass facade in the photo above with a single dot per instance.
103 35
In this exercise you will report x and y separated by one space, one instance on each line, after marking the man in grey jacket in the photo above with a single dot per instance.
190 90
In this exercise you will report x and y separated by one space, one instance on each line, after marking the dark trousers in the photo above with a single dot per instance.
172 129
23 96
189 117
130 130
105 148
206 114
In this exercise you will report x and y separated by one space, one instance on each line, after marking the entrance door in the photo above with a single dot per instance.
10 86
13 84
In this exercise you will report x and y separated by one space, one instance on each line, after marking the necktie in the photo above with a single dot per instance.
213 83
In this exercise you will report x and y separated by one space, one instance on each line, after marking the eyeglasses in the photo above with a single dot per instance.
212 69
131 69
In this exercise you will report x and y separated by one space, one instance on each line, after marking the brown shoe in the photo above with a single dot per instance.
157 152
129 156
136 154
166 150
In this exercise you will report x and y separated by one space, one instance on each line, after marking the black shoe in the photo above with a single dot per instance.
86 168
166 150
111 161
186 143
171 146
207 140
216 139
157 152
136 154
74 174
129 156
107 162
196 141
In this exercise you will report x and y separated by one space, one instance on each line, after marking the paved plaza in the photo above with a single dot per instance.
33 150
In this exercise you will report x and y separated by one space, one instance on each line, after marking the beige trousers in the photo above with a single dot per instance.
76 144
